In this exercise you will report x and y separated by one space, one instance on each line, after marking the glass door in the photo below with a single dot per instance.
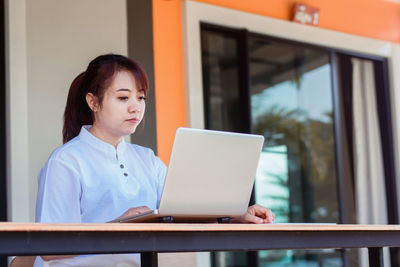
306 102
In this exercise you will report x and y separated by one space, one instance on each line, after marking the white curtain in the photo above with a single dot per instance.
370 193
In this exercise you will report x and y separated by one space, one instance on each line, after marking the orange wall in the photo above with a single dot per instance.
378 19
168 72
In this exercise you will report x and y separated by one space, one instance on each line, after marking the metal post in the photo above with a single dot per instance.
375 256
149 259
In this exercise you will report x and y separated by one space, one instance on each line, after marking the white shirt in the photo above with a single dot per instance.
88 180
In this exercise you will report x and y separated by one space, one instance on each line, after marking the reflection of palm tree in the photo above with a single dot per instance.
276 121
311 161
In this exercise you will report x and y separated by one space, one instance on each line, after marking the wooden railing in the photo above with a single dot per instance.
150 239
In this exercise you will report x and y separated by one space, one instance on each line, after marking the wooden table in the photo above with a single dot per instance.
150 239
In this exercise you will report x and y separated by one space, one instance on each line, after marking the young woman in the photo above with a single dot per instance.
96 176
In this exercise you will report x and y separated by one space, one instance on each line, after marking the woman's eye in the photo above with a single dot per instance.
142 98
123 98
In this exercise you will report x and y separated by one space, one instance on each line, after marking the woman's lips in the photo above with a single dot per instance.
133 120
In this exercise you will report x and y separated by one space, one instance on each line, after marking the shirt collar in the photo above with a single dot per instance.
99 144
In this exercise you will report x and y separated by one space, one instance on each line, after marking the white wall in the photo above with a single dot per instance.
17 110
50 42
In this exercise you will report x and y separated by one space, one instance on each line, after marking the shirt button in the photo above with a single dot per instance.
125 174
122 166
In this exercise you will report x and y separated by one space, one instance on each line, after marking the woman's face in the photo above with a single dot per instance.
122 108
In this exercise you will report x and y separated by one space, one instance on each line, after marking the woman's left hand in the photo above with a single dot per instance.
255 214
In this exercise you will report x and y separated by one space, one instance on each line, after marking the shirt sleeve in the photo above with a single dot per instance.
59 193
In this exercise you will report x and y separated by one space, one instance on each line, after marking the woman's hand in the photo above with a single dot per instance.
133 211
255 214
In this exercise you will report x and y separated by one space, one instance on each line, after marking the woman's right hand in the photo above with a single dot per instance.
133 211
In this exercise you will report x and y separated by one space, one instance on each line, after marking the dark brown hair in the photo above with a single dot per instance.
96 79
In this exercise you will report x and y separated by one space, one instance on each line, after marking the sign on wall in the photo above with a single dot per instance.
305 14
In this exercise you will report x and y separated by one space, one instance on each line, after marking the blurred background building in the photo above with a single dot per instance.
326 97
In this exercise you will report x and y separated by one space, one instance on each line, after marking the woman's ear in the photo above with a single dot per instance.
92 102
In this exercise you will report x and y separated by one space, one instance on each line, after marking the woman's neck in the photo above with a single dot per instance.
105 136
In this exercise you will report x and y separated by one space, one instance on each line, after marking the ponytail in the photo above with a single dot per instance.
77 113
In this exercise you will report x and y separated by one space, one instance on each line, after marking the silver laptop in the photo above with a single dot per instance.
210 176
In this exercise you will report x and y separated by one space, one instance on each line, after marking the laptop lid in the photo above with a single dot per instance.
210 173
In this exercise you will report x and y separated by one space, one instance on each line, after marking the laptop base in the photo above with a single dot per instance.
170 219
155 217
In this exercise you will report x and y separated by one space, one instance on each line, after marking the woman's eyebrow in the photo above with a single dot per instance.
124 89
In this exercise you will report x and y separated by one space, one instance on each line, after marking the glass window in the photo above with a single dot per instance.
221 81
291 105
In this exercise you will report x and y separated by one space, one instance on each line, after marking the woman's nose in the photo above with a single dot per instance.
134 106
133 109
